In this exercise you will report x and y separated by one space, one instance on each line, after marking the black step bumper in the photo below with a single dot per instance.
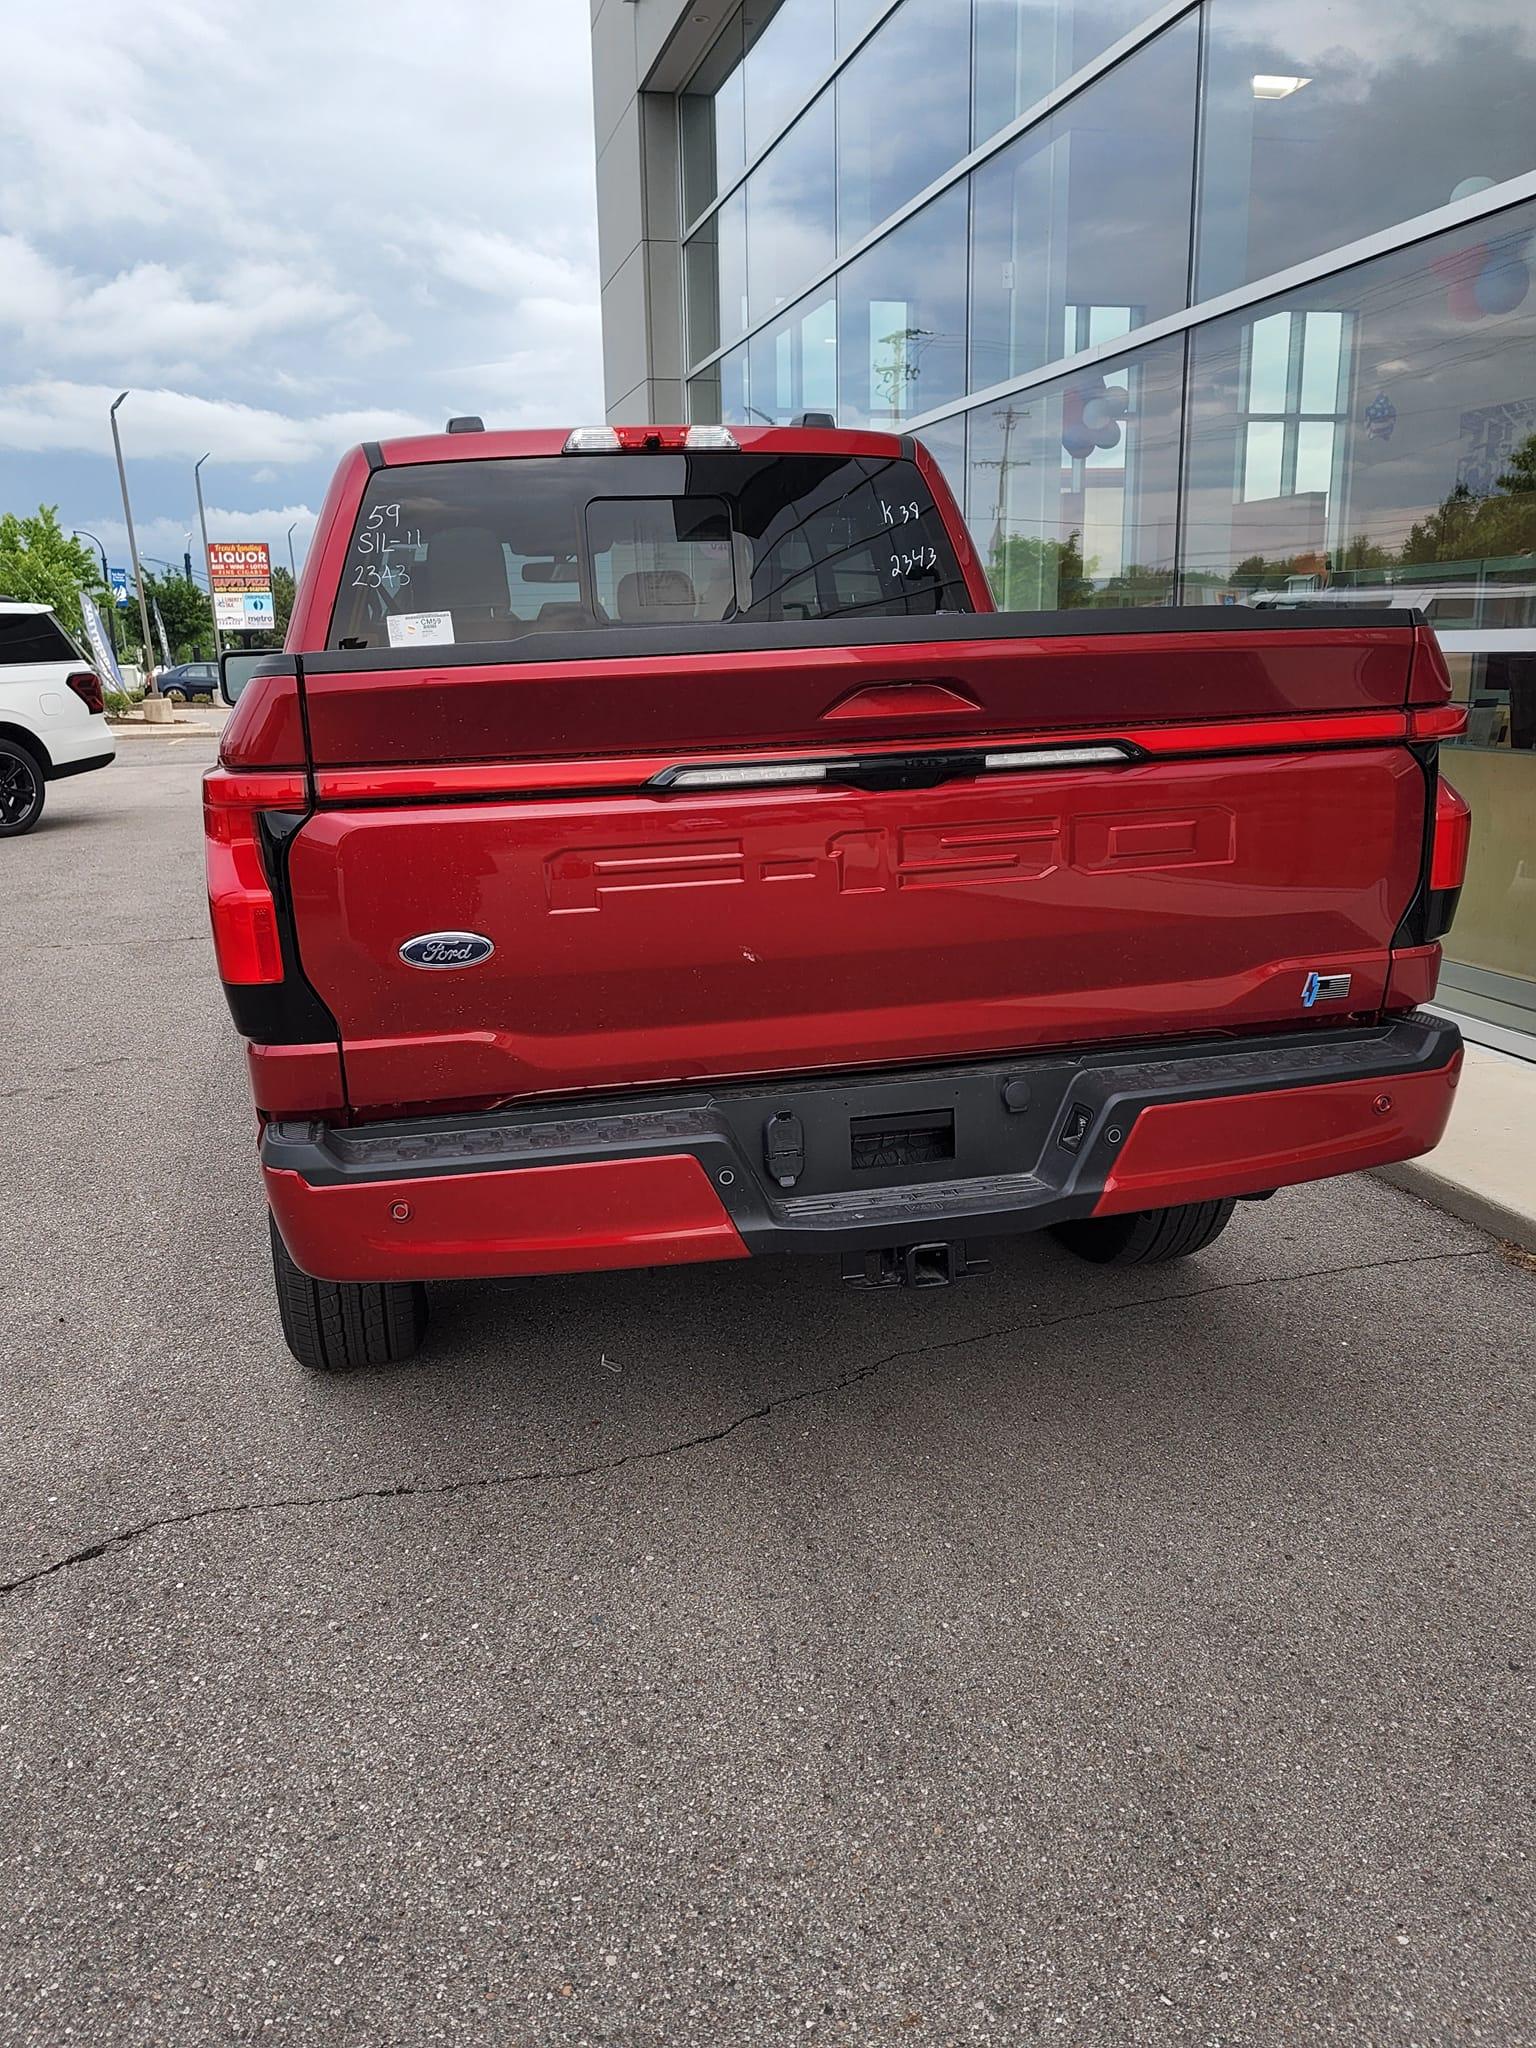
853 1163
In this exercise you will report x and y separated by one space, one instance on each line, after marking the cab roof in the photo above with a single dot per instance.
480 446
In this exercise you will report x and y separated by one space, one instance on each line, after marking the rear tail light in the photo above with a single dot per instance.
1452 838
246 938
1439 722
86 685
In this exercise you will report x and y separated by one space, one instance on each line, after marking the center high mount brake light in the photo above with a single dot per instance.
649 440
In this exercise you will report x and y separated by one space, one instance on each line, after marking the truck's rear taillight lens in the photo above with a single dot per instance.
86 685
246 938
1437 722
1452 838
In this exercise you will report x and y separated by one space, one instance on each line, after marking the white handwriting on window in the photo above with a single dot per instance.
920 557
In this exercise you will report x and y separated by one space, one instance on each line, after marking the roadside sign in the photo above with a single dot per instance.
118 578
240 575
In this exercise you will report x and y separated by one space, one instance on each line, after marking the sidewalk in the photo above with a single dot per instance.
1484 1168
205 721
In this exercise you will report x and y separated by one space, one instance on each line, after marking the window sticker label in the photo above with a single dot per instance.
420 629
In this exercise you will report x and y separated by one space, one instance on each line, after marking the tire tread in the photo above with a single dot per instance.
341 1325
1147 1237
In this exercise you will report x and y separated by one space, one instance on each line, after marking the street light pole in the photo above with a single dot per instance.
106 582
133 550
202 520
291 569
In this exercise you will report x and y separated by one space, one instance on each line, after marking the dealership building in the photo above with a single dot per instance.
1223 303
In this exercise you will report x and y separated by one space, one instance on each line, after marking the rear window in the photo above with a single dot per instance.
33 636
461 552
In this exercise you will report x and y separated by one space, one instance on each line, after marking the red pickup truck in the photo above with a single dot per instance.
653 847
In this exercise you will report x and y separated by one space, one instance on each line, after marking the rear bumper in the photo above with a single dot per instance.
943 1153
80 745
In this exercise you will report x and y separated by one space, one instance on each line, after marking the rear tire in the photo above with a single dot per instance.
1146 1237
22 789
340 1325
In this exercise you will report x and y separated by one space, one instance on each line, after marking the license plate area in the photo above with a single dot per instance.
923 1138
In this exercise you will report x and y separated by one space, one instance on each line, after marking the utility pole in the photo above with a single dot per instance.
202 520
133 550
86 534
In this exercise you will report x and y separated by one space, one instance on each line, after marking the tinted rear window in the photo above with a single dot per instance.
33 636
460 552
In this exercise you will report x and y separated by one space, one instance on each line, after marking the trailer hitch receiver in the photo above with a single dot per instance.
910 1265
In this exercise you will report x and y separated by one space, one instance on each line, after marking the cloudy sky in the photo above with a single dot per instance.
285 228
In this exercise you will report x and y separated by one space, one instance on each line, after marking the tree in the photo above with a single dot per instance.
1519 480
1464 528
41 563
187 614
1031 574
1361 553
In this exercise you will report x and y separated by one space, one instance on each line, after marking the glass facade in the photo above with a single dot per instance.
903 113
901 319
1080 228
1073 486
1364 434
1325 122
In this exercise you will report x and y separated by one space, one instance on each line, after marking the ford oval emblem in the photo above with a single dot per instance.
446 949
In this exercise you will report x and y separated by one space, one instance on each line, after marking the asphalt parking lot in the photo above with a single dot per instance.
718 1656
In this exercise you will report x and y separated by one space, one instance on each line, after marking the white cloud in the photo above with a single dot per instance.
284 240
486 260
51 414
169 539
152 314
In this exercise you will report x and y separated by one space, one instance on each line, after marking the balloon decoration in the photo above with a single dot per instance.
1380 417
1501 284
1484 278
1091 416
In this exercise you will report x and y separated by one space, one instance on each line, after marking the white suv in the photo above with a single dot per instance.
52 720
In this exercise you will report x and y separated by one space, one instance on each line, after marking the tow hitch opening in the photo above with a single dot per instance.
910 1265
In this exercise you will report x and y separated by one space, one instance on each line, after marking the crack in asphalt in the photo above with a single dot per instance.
122 1539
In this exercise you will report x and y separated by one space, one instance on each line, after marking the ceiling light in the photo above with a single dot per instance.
1269 85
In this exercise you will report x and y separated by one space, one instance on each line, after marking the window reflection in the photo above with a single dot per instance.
1329 119
794 362
789 212
1490 950
720 392
1375 434
901 113
1073 486
792 53
1025 48
1080 228
715 277
853 17
712 122
901 319
945 442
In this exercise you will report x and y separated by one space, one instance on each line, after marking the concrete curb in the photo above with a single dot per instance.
1511 1226
165 732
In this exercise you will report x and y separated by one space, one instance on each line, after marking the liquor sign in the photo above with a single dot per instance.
240 575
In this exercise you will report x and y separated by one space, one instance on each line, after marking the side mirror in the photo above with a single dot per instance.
236 670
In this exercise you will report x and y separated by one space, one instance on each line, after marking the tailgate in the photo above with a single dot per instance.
942 869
